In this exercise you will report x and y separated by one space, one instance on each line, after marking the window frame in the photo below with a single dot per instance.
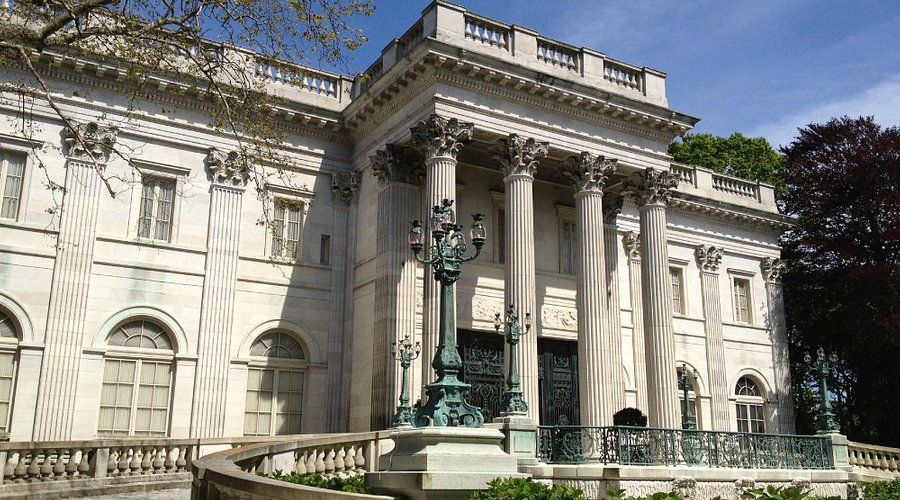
278 366
746 403
6 147
735 278
291 196
566 215
10 346
168 173
154 218
677 270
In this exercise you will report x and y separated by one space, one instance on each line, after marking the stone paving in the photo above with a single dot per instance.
171 494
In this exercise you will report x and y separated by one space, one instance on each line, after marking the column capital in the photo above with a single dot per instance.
345 186
395 164
708 257
651 186
226 168
439 136
517 155
772 269
89 141
632 244
612 207
589 173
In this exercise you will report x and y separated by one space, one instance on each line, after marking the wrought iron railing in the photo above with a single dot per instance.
649 446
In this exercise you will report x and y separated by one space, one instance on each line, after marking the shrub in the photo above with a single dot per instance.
882 490
620 495
630 416
519 488
351 484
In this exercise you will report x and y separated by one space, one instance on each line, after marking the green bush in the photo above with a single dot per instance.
882 490
352 484
620 495
518 488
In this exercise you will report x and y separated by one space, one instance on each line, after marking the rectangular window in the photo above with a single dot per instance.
7 368
12 177
273 404
677 290
116 398
568 247
286 230
153 400
741 300
750 418
501 236
325 250
134 399
157 200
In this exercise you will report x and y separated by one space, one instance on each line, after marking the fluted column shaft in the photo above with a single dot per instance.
395 283
596 365
614 313
709 259
781 362
632 245
520 277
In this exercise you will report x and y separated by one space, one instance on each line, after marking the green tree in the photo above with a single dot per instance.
737 155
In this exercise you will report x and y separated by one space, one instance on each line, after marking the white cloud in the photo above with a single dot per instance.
881 101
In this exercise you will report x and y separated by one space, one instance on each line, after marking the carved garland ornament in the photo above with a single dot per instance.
772 269
632 244
588 172
396 164
439 136
227 169
651 186
95 144
708 257
517 155
345 185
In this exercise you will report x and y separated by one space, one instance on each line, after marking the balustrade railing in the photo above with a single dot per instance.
296 76
650 446
557 54
686 174
487 32
623 75
868 458
735 186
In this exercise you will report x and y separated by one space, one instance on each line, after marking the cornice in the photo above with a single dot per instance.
696 208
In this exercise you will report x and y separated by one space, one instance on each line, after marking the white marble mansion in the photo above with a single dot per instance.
169 311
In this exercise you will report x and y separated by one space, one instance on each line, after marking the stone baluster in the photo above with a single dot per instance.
84 465
169 460
124 461
112 461
320 461
34 467
596 366
300 462
399 201
439 139
631 242
87 148
184 454
9 467
147 459
772 269
47 465
351 457
612 206
518 159
311 461
134 465
709 258
329 461
360 458
59 464
651 190
228 173
158 461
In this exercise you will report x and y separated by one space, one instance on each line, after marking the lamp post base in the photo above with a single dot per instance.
447 407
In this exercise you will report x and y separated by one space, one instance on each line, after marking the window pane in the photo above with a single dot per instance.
7 327
166 190
675 275
12 183
325 250
145 219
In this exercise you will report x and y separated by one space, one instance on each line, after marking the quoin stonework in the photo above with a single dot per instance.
169 311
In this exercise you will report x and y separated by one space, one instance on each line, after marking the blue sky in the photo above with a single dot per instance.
760 67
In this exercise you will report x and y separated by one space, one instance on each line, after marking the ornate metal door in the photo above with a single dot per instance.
558 382
482 356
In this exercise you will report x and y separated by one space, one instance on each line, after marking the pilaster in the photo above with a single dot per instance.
228 174
631 242
772 269
709 258
399 201
597 368
87 148
651 189
439 139
612 206
518 159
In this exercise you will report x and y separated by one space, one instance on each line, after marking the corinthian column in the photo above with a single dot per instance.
597 368
228 174
772 269
708 260
651 193
87 150
518 159
632 245
399 201
612 206
439 139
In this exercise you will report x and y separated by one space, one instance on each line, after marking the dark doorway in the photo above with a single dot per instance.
558 382
482 356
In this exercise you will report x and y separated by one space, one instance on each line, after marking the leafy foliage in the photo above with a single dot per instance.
842 281
517 488
882 490
620 495
737 155
776 493
630 416
352 484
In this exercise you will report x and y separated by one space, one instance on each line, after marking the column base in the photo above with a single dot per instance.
443 462
520 439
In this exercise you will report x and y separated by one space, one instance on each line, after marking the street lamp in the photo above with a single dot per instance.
446 406
512 397
688 421
405 353
825 420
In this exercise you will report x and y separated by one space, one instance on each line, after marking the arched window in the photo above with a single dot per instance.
137 378
274 385
9 342
749 405
688 380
